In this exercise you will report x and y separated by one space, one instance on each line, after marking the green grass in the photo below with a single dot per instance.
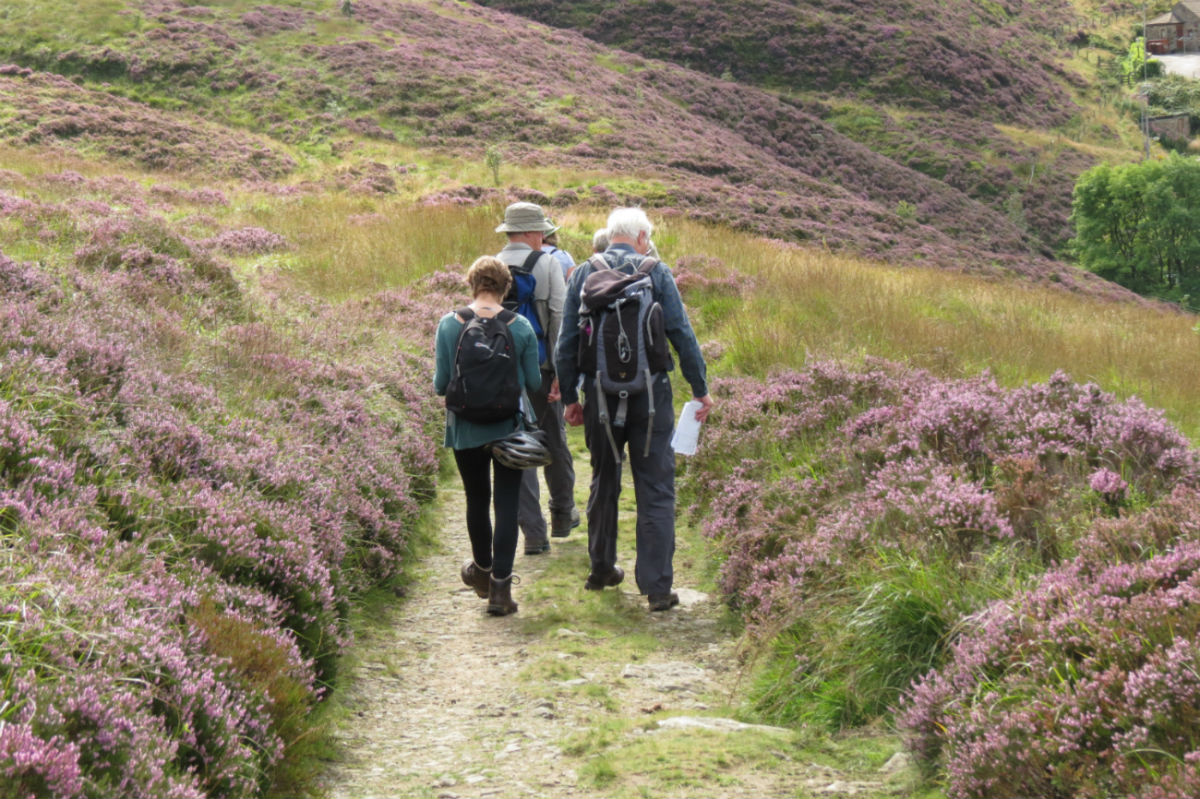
60 25
887 628
805 303
796 303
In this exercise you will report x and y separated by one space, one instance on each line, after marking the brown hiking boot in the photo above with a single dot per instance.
663 601
500 601
561 524
537 548
476 578
595 582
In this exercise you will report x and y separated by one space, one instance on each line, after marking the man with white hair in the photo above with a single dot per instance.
648 420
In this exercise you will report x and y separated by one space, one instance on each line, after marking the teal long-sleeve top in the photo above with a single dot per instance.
461 434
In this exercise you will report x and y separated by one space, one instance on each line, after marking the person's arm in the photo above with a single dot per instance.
527 354
447 335
565 261
550 309
680 334
566 350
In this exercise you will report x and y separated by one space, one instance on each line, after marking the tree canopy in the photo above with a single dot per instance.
1139 225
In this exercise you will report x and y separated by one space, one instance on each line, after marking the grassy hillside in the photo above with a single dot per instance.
461 79
932 86
227 231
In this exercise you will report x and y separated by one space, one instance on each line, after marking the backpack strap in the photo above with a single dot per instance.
532 259
465 314
647 265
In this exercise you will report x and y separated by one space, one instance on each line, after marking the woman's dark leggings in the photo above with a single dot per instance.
479 472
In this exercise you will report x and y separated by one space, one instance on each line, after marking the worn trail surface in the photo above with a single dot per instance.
578 694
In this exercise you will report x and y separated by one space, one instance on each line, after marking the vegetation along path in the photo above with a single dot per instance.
578 694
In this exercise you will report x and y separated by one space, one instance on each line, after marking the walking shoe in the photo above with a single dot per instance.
561 524
537 548
597 583
500 601
477 578
664 601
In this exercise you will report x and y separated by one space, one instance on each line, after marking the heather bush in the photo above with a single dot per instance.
1084 686
854 505
927 84
195 484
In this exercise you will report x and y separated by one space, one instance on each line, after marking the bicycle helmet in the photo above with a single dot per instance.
522 449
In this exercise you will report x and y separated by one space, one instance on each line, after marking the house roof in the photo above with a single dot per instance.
1190 5
1168 18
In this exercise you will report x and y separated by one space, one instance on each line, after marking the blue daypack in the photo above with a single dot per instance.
520 299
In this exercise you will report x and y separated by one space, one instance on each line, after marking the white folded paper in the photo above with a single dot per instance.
687 432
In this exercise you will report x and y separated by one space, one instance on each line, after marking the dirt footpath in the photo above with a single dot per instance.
578 694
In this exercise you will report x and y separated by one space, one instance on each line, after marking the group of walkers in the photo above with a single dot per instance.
534 309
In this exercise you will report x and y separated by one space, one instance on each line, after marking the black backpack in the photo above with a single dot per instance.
623 340
485 386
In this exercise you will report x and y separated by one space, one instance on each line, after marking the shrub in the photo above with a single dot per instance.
1086 685
194 486
862 511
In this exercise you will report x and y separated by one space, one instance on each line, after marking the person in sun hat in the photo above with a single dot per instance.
538 292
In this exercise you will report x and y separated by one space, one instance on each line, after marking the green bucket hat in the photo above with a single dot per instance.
525 218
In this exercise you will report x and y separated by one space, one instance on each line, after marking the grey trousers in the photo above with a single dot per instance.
560 474
653 485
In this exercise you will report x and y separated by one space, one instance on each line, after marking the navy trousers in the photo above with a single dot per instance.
653 483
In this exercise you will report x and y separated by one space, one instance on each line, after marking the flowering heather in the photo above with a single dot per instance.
48 109
246 241
1087 684
784 168
908 460
187 515
958 56
955 69
813 481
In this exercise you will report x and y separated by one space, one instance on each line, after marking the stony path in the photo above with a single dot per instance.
578 694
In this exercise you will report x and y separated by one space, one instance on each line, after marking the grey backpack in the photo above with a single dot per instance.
622 341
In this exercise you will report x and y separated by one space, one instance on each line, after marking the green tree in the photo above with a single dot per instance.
494 159
1133 66
1139 225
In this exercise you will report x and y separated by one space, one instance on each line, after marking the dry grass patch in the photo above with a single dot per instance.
802 303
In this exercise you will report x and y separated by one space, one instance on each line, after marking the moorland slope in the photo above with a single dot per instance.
461 78
950 90
208 458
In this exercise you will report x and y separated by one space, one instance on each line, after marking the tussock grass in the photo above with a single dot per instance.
797 303
802 303
348 244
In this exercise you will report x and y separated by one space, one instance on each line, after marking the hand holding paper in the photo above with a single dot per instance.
687 432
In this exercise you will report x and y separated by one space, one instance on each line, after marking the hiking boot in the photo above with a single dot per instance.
595 582
477 578
500 601
561 524
537 549
664 601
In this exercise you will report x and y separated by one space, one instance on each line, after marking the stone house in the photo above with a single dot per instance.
1174 127
1177 31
